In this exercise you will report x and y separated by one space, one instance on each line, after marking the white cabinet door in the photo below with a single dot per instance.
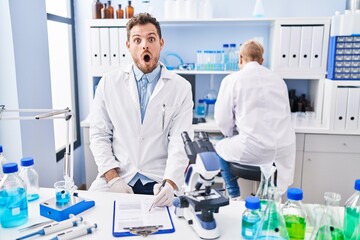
329 172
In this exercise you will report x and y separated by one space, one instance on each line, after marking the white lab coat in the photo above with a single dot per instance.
255 102
119 140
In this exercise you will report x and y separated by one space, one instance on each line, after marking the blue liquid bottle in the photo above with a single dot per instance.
30 177
13 200
251 218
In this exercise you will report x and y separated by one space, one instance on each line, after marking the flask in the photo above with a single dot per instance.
105 12
352 214
97 6
111 10
294 214
250 218
2 161
30 177
120 13
129 10
266 182
258 9
328 225
200 109
13 201
272 225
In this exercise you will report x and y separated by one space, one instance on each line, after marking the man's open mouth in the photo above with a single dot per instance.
147 58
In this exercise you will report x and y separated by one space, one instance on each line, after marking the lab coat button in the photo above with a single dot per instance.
141 138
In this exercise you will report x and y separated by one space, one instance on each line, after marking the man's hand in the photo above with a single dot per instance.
164 195
118 185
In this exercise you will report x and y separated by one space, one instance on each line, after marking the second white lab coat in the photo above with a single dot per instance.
255 103
118 139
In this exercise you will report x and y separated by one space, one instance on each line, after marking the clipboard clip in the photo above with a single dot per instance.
144 230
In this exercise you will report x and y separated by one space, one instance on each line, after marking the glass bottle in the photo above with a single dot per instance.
147 6
251 218
129 10
105 12
225 59
266 182
111 10
352 214
30 177
294 214
13 201
329 225
272 225
200 109
258 9
120 13
96 9
2 161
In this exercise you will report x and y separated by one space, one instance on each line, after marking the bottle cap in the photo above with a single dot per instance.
232 45
201 100
1 150
295 194
252 203
27 161
10 167
357 184
225 45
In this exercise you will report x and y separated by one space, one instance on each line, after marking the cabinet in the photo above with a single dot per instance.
331 164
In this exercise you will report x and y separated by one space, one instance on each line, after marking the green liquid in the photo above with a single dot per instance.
273 225
336 234
296 226
351 222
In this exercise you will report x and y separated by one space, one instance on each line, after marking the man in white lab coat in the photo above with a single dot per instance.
254 102
136 120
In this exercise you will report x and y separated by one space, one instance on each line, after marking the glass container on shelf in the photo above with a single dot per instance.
111 10
119 13
96 9
328 224
129 10
258 9
210 99
105 12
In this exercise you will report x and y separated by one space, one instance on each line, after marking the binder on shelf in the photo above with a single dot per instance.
105 47
125 57
284 46
95 46
114 47
305 46
353 105
340 107
316 46
295 35
132 215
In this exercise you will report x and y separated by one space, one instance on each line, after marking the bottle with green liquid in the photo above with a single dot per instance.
329 226
294 214
352 215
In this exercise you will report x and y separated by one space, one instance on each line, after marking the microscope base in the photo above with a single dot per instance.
60 212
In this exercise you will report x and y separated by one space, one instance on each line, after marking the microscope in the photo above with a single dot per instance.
199 201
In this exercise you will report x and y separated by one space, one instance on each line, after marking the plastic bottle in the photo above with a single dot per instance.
251 218
13 201
96 12
120 13
2 161
129 10
294 214
225 59
30 177
352 214
200 109
232 57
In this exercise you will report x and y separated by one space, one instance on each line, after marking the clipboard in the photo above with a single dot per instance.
130 214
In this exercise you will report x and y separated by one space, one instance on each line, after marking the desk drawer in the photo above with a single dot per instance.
332 143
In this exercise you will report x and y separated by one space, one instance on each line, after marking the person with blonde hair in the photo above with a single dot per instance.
253 113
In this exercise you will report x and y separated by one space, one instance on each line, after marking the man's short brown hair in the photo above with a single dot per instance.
142 19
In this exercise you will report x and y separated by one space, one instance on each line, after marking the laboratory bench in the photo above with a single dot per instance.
327 160
228 219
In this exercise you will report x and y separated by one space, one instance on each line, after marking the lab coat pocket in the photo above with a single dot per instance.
167 115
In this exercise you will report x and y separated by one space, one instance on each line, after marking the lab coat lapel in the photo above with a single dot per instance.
131 86
164 77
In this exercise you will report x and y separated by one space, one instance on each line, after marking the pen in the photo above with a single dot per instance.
162 185
163 117
75 232
54 227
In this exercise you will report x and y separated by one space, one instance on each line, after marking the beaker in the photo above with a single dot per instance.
328 225
266 182
272 225
62 192
210 99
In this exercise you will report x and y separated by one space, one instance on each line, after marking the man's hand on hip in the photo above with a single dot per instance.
120 186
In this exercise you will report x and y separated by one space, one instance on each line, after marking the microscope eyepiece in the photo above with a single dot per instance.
185 137
203 136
